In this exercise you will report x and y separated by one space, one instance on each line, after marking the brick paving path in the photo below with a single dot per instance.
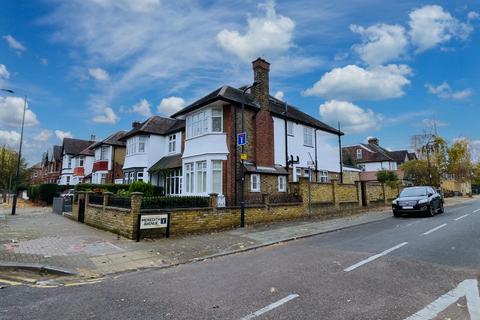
37 236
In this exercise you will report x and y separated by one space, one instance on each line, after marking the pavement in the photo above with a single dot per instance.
411 268
36 237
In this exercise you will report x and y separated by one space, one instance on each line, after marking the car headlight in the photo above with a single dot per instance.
423 201
394 202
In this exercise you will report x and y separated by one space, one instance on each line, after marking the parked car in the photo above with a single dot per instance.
418 199
67 193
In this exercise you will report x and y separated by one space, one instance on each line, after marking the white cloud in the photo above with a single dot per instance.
170 105
143 107
268 34
44 61
353 119
11 113
43 136
4 72
10 139
444 91
356 83
99 74
432 123
14 43
279 95
108 116
472 15
380 43
62 135
431 25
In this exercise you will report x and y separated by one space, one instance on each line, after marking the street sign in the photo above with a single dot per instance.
241 138
153 221
243 156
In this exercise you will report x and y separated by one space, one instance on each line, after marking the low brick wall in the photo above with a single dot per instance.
327 200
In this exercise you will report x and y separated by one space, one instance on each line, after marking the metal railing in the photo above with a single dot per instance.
172 202
120 202
95 199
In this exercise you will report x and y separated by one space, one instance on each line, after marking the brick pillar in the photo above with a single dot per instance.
136 205
359 192
367 198
266 199
336 198
213 200
106 194
87 199
384 191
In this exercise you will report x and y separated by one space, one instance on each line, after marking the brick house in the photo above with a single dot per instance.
52 165
283 143
109 157
35 173
371 157
71 150
83 164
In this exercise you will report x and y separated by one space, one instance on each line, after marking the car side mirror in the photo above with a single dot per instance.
430 194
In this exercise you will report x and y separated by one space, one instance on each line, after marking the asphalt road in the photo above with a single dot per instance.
390 269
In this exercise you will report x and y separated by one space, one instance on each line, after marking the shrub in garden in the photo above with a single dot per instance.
140 186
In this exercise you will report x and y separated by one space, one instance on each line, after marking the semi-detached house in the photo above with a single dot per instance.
72 148
109 159
195 151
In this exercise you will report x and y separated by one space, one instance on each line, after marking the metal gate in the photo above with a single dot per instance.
81 210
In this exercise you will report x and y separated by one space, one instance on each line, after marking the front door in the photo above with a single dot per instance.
81 210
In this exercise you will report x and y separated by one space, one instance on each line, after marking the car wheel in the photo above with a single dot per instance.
396 214
431 210
441 209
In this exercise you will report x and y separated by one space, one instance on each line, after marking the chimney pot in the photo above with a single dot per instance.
135 124
374 141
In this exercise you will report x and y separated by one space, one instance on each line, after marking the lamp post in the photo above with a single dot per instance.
17 176
242 169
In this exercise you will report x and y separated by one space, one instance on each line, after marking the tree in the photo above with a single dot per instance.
417 172
8 168
387 177
460 165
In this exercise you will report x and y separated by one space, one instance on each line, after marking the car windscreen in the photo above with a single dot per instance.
413 192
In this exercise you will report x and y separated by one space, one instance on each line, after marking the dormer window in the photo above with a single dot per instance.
172 143
359 154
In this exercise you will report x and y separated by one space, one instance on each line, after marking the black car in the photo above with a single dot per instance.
418 199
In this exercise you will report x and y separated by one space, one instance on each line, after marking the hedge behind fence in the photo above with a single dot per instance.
45 192
122 189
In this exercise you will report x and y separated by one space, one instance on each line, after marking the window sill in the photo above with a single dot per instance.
205 134
306 145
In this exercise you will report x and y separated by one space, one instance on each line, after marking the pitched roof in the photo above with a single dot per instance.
75 146
86 152
57 153
276 107
156 125
168 162
112 140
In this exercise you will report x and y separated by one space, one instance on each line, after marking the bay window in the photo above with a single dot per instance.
205 121
189 178
201 176
104 153
217 176
173 181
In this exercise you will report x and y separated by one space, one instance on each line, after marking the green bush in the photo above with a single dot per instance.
46 192
387 177
140 186
33 192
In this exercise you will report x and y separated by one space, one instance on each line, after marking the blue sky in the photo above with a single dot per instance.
380 68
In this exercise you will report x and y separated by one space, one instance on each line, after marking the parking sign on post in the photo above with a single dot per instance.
241 138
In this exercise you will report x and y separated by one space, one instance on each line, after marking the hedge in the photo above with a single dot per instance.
122 189
45 192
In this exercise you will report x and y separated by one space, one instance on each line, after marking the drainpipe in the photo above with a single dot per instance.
113 164
235 154
286 140
316 156
340 151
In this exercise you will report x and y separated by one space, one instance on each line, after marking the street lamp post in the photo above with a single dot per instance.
242 169
17 176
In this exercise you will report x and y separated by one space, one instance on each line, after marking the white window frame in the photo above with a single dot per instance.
282 184
201 122
104 152
201 176
359 154
218 169
172 143
308 136
142 144
217 113
255 182
190 177
69 165
173 182
140 176
323 176
298 173
81 161
290 128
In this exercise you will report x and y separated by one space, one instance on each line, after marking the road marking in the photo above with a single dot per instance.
270 307
465 215
434 229
476 210
467 288
374 257
10 283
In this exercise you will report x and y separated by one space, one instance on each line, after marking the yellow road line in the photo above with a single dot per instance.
11 283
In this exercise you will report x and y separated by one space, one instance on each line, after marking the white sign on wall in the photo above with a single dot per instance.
154 221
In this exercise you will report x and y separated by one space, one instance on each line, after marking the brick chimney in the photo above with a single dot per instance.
373 140
136 124
264 142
